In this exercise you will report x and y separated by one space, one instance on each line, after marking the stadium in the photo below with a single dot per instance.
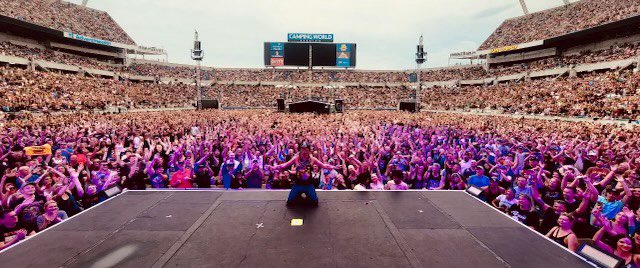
526 155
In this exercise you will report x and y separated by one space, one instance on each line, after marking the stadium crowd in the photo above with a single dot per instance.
259 96
275 75
24 90
559 21
10 49
448 74
615 52
470 72
610 95
67 17
564 180
606 95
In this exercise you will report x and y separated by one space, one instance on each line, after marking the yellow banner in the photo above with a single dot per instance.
503 49
38 150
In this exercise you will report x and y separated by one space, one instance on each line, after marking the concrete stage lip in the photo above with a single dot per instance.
252 228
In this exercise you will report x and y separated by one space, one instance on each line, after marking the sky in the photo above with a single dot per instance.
386 31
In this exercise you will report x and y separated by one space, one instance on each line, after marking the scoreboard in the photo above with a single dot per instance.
297 54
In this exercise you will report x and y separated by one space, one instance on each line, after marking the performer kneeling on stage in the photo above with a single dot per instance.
302 183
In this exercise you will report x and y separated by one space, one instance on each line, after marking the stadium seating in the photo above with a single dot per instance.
610 94
47 91
68 17
559 21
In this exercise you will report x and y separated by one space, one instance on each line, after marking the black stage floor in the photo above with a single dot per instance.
253 229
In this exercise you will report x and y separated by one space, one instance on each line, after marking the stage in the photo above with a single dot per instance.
253 229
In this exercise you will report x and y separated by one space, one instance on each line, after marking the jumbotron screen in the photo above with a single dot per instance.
297 54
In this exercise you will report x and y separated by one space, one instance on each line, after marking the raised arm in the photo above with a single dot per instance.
584 204
76 181
287 164
44 174
111 180
538 199
323 165
593 192
48 159
203 159
597 238
4 156
149 169
627 191
612 174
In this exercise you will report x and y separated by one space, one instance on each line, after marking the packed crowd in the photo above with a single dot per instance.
362 97
66 16
9 49
559 21
246 96
471 72
611 95
304 76
278 75
615 52
156 70
24 90
448 74
564 180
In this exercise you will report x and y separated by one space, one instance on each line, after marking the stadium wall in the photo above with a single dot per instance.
87 50
524 56
21 41
632 39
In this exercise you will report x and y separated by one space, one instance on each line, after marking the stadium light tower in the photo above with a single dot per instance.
84 3
420 59
524 7
197 54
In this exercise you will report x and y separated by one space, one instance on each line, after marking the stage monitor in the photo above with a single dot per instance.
297 54
309 106
339 105
408 106
209 104
113 191
475 191
280 104
599 257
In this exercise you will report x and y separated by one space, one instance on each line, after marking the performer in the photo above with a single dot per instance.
303 183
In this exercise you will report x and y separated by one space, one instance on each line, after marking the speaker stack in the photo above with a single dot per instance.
409 106
209 104
339 106
280 105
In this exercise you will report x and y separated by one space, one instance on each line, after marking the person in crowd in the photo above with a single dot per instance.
562 233
376 183
525 212
505 201
51 216
397 181
12 231
611 202
255 176
183 177
479 180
